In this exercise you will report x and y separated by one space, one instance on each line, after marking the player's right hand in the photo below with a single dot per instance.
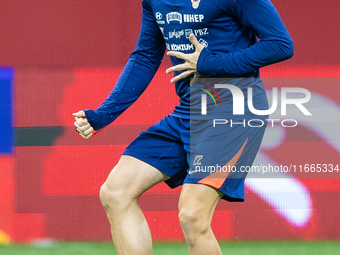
84 128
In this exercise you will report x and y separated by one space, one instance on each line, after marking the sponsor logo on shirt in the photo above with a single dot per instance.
180 47
188 32
203 42
197 32
178 17
162 30
176 34
193 18
174 16
158 17
203 31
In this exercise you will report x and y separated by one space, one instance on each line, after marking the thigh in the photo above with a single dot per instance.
132 177
199 201
161 146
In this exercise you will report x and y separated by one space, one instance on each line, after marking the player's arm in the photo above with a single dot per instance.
136 76
275 43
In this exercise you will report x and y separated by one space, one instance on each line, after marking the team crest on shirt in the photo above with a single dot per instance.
195 3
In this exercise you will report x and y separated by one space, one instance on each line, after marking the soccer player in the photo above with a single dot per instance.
215 38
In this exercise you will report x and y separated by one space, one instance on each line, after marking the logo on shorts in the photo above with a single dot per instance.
193 171
197 163
197 160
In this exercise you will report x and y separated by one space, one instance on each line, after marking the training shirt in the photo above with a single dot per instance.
239 37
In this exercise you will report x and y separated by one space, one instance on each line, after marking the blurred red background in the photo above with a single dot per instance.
102 33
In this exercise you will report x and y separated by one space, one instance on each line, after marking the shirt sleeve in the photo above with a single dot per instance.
137 73
275 43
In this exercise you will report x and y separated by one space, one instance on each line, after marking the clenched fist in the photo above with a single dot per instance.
83 127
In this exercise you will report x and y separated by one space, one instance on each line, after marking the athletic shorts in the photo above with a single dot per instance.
196 151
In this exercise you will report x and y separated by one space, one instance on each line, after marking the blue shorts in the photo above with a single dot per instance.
194 151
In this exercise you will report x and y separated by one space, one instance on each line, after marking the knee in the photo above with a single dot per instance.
192 222
114 197
108 197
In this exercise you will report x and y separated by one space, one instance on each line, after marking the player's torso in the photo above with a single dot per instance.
217 24
209 20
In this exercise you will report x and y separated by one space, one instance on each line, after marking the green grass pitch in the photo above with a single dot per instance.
168 248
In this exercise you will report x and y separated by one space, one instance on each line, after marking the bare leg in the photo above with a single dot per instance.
119 194
197 203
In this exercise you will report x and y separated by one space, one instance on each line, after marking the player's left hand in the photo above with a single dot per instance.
189 67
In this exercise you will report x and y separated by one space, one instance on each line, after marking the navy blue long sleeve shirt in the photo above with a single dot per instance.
228 29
